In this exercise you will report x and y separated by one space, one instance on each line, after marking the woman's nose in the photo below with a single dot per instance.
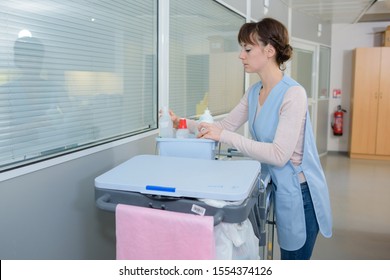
241 55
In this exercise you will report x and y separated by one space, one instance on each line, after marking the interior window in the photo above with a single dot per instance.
74 74
204 68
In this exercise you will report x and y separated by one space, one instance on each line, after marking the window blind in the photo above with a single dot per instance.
204 68
74 74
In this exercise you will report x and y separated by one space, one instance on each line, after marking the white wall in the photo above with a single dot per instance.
51 213
345 38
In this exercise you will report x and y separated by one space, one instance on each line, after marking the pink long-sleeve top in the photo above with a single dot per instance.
288 141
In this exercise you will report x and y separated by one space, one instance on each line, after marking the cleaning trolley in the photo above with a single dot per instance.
229 195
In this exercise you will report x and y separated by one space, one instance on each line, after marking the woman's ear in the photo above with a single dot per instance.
270 50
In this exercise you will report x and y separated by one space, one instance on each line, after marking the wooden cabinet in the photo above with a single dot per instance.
370 104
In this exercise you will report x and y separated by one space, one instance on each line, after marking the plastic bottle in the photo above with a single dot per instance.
182 130
165 124
206 117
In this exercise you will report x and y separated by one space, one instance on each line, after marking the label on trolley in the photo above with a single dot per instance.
198 209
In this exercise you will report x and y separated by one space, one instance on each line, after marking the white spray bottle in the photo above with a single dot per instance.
165 124
206 117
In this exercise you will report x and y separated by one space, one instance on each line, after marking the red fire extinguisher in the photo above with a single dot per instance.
337 124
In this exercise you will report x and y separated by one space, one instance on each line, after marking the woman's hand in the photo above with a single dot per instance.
175 119
209 131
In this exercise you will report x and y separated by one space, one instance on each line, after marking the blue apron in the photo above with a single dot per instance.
289 212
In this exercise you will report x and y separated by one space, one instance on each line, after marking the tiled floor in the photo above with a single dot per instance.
360 197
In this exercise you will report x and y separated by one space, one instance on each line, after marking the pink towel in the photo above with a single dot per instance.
152 234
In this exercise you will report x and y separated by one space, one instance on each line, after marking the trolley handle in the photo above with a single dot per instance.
104 203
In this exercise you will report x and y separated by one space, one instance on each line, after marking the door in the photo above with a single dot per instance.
365 100
383 130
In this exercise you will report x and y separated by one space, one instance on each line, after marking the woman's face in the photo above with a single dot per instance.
253 56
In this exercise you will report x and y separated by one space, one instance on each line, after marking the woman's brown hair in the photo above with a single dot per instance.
268 31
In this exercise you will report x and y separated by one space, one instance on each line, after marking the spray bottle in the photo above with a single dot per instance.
165 124
206 117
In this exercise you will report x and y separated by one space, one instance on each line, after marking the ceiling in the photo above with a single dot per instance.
343 11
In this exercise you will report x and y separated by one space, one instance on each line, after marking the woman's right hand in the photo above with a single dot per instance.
175 119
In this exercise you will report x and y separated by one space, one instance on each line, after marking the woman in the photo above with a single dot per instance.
282 138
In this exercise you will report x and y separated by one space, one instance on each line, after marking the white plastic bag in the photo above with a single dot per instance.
236 241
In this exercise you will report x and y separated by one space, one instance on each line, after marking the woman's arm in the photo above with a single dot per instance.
289 133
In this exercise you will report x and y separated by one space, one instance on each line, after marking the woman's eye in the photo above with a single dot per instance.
247 50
